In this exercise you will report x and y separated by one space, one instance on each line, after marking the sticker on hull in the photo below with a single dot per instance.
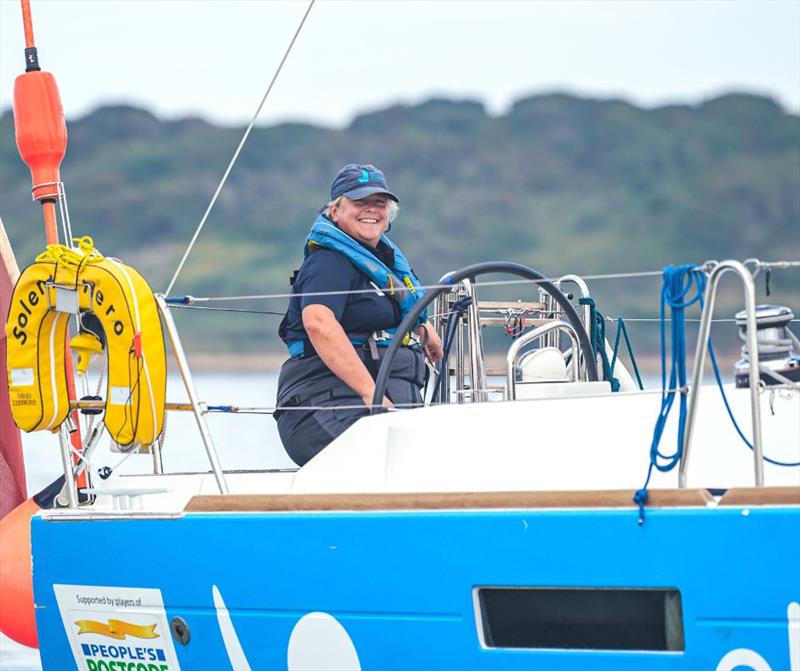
116 628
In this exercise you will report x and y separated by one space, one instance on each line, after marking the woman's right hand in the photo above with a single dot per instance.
368 401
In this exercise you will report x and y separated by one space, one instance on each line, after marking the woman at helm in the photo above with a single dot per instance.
352 291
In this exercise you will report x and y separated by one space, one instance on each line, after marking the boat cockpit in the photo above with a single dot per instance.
558 410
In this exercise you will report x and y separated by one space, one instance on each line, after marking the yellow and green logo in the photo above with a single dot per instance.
117 629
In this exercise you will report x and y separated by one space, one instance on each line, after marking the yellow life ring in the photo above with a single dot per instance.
36 337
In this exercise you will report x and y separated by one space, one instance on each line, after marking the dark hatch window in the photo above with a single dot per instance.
581 618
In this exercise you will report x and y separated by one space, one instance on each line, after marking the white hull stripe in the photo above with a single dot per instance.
232 645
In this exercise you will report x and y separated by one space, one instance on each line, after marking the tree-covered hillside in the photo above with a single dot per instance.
561 183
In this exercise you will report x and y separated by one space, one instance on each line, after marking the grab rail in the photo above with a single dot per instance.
513 351
700 360
477 368
579 282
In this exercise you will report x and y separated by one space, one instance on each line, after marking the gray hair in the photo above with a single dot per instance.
393 207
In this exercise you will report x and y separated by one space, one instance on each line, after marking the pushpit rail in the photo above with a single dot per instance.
700 360
513 352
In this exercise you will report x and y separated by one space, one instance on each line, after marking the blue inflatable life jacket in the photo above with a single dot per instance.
399 282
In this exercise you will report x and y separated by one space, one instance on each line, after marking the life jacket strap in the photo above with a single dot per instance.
303 347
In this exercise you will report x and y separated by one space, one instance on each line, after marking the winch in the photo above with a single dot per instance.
778 347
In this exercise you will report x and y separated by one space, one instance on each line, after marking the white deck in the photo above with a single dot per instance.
589 443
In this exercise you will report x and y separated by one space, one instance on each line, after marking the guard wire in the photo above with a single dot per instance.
244 310
172 300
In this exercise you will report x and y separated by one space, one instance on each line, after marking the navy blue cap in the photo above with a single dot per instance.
359 181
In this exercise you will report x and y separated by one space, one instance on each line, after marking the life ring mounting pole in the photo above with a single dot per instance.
70 487
41 134
191 392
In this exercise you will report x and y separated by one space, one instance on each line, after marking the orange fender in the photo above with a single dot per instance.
17 618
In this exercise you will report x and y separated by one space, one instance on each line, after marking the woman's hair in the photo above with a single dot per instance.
393 208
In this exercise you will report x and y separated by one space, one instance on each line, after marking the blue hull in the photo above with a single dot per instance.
402 583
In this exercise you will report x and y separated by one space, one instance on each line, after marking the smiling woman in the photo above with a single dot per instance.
353 289
364 219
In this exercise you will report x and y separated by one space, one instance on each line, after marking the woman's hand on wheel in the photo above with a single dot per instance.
368 401
431 342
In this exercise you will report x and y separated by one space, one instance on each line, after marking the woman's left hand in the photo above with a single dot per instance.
433 344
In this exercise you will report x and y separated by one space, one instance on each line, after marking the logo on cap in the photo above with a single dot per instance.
358 181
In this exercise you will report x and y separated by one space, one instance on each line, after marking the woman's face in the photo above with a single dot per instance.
365 219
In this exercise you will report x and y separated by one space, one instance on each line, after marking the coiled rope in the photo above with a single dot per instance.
678 283
598 339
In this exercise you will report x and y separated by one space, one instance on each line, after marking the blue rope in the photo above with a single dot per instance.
623 330
677 285
597 334
788 464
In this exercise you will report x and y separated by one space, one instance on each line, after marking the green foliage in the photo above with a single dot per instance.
561 183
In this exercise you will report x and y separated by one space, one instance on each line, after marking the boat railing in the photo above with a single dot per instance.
718 270
477 357
586 313
469 373
468 355
513 353
194 401
194 405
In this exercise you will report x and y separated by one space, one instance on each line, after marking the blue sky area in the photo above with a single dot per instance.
214 59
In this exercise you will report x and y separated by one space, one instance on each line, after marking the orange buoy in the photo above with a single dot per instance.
17 618
39 119
41 130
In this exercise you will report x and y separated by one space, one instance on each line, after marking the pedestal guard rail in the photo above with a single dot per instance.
470 273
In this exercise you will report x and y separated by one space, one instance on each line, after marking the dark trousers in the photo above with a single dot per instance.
307 381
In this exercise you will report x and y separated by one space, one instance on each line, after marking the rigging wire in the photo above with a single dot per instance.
728 320
190 300
173 300
238 150
245 310
613 320
270 409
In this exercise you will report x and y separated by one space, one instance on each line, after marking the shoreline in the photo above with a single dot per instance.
271 362
230 362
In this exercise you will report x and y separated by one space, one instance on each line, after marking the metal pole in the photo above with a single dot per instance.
70 488
539 331
700 360
186 375
477 368
443 306
459 377
587 309
158 462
